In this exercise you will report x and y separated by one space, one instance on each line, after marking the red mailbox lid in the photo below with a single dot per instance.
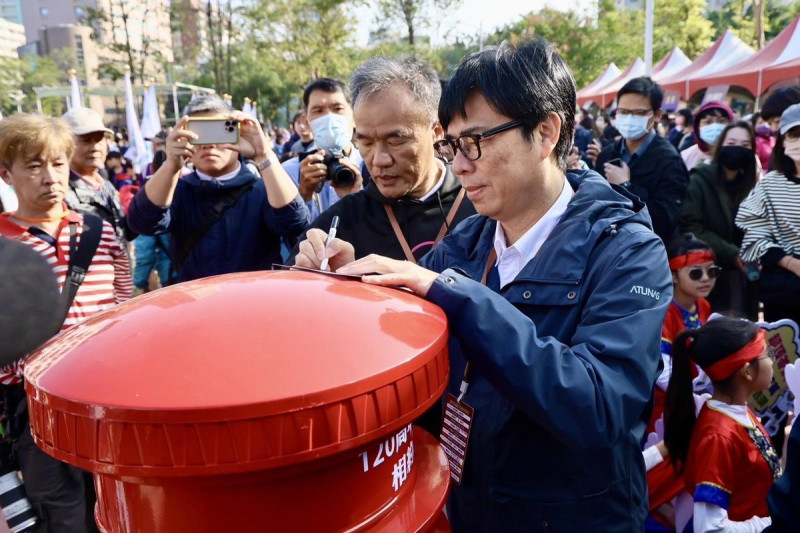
236 373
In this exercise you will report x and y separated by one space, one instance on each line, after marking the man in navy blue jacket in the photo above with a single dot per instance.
563 338
247 236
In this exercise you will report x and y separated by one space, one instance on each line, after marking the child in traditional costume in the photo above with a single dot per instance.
726 459
694 274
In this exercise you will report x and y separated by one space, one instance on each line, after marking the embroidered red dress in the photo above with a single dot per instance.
731 465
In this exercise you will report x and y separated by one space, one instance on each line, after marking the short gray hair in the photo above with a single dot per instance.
380 72
203 103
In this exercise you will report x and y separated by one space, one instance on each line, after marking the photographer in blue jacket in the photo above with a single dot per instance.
555 295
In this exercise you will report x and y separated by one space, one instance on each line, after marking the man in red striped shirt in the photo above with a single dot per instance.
34 160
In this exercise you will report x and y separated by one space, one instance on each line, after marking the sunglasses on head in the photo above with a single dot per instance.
696 273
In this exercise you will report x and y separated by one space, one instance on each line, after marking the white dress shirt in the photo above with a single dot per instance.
512 259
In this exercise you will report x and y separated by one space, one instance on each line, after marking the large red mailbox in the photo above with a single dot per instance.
276 401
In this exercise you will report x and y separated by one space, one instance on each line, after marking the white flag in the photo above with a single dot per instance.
137 151
151 121
75 92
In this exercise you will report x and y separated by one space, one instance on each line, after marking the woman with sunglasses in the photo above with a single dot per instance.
723 453
716 189
694 274
770 217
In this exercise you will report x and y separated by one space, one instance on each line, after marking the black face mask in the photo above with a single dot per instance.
735 157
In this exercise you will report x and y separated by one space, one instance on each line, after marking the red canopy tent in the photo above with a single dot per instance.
609 92
781 72
610 73
673 62
605 95
727 51
750 72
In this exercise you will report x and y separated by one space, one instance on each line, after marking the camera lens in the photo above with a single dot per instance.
227 122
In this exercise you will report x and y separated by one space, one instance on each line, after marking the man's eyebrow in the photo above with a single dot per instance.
393 133
468 131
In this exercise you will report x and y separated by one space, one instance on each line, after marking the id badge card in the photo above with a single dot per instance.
456 428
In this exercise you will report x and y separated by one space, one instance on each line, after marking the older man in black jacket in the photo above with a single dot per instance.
642 161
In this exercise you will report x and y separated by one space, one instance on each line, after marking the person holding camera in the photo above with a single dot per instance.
222 217
331 167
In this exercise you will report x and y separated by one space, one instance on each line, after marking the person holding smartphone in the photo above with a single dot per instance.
642 161
222 217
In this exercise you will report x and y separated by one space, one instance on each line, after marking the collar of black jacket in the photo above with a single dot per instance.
450 187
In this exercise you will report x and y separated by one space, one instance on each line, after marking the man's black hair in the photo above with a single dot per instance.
687 116
327 85
776 104
526 83
647 88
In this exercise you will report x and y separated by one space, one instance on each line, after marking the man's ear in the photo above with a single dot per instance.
5 174
438 131
550 131
657 116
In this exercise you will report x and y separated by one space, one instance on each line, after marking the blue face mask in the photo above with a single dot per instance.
632 127
711 132
332 132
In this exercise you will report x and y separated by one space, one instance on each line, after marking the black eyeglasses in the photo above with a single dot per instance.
470 145
696 273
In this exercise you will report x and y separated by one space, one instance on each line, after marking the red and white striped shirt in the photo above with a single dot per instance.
107 282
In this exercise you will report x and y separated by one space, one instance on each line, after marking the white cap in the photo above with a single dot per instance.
82 120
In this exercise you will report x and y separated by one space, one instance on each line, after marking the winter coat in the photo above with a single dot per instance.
564 359
659 178
363 221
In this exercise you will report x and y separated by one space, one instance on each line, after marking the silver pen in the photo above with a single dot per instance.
329 240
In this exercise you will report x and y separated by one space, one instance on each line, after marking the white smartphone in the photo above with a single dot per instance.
214 130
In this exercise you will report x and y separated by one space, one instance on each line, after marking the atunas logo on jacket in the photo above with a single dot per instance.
645 291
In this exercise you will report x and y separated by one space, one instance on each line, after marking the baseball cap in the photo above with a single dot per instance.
161 136
82 120
790 118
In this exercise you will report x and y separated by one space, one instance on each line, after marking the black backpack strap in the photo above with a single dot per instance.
80 257
211 216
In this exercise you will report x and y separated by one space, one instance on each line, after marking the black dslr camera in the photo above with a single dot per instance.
339 174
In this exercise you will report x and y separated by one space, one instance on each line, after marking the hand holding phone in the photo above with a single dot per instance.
214 130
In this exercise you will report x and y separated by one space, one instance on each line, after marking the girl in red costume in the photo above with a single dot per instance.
726 459
693 276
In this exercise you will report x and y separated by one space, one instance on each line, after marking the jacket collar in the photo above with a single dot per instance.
596 209
450 187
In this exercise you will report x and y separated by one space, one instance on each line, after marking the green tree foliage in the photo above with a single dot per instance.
616 35
587 45
30 72
681 23
411 14
738 16
292 42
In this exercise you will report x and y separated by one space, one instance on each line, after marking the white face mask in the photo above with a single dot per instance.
332 131
632 127
792 149
710 133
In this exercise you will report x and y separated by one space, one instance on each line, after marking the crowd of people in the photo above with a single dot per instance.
578 255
